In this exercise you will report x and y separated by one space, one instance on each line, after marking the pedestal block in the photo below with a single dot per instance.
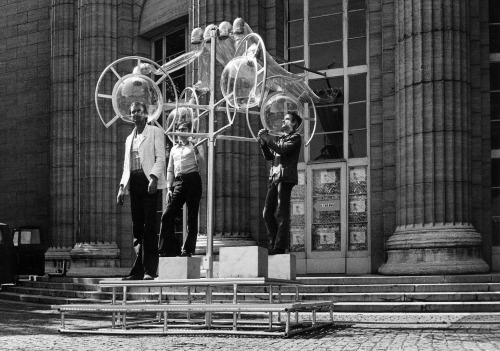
179 268
243 262
282 267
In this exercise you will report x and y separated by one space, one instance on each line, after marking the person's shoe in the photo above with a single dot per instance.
147 277
132 277
185 254
276 251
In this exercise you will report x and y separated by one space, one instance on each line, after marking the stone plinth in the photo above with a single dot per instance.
282 267
179 268
243 262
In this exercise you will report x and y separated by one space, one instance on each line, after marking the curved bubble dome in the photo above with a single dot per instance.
240 84
137 87
180 115
275 108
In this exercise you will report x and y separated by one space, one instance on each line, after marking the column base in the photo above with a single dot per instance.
437 249
57 260
95 259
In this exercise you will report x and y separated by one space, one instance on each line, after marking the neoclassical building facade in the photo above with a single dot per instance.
402 175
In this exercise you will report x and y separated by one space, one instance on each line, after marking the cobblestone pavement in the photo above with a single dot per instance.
35 327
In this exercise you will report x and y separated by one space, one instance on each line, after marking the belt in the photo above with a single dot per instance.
137 171
187 175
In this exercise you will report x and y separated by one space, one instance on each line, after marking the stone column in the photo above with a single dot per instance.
62 126
434 234
235 162
95 146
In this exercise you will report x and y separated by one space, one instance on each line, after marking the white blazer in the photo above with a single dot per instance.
151 153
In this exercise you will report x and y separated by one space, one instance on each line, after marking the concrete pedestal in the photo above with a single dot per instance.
243 262
179 268
282 267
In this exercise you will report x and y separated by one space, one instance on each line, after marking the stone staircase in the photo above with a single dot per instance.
360 294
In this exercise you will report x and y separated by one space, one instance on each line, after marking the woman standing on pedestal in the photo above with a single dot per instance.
184 186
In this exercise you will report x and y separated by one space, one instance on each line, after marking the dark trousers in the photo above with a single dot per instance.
144 207
278 227
187 189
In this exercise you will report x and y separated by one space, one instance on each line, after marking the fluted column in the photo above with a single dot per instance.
434 234
96 174
233 160
62 126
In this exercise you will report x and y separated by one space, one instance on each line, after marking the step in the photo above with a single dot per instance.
378 307
424 279
59 285
46 300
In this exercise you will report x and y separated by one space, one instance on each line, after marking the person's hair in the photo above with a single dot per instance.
296 119
184 124
139 103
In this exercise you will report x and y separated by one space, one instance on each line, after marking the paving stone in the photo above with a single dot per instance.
35 327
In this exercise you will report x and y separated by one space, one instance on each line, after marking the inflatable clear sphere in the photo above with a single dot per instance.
239 82
275 108
180 115
137 87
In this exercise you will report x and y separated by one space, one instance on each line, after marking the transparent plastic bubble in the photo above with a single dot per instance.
240 83
137 87
275 108
180 115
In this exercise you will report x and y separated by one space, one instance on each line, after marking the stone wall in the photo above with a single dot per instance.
24 119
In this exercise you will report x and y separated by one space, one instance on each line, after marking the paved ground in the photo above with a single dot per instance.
35 327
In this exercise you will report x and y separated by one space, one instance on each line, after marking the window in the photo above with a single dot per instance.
494 11
330 36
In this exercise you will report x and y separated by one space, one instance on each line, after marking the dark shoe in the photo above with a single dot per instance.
147 277
185 254
132 277
276 251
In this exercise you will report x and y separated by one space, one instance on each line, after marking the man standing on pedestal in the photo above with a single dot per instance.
282 178
143 175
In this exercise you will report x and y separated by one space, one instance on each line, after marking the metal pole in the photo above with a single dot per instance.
210 174
210 161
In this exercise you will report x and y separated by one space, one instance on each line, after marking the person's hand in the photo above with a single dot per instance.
263 136
169 196
120 196
153 185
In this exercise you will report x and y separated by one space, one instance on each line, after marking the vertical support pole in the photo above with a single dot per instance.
114 315
189 301
62 320
235 301
287 325
279 301
165 325
210 161
297 298
210 172
124 301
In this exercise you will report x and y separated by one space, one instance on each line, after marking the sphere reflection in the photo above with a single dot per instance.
136 87
239 82
275 108
180 115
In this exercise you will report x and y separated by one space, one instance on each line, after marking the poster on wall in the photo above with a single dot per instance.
357 204
326 238
297 242
357 174
327 177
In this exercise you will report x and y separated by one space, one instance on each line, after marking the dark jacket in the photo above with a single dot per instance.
285 155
